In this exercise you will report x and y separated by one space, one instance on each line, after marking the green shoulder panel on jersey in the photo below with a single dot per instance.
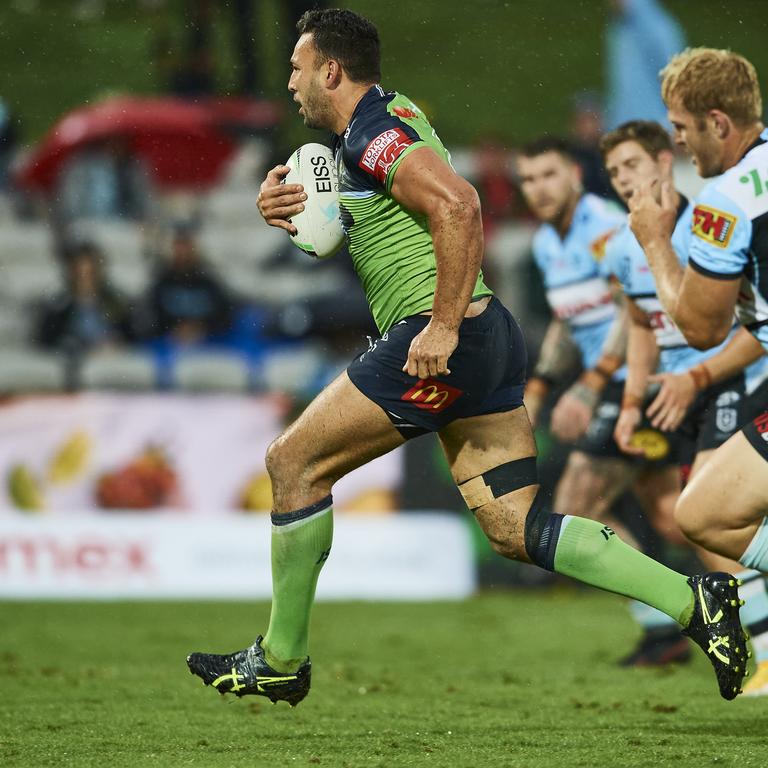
390 246
404 109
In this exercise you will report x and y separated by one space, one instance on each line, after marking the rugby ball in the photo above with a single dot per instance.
319 232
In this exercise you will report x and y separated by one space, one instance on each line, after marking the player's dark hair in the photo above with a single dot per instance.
546 144
650 135
346 37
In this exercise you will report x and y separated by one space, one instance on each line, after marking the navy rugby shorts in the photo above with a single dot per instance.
487 375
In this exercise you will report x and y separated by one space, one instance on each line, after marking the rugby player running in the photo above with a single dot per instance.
702 398
714 103
451 359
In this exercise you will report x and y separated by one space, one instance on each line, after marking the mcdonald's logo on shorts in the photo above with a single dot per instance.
431 395
713 226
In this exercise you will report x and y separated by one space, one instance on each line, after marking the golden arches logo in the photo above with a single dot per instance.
431 395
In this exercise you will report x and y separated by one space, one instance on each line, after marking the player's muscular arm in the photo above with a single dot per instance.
426 184
701 307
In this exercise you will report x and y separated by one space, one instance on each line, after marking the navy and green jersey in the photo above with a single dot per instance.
390 246
730 234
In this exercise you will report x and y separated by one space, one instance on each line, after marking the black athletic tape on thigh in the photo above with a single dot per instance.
499 481
302 514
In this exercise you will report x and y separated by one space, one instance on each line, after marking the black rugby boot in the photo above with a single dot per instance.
246 672
716 628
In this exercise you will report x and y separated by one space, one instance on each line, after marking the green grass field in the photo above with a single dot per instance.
513 679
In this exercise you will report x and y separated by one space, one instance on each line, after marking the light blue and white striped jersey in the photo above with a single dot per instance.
577 291
730 234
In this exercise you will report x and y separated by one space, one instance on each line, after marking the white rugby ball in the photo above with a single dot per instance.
319 232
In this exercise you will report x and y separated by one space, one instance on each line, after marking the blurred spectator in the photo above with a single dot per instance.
641 38
187 303
8 143
495 184
586 129
89 314
105 179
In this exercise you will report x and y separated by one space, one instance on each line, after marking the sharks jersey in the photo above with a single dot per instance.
390 246
577 290
624 258
730 234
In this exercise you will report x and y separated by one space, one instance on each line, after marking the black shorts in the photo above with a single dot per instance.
487 373
715 415
660 447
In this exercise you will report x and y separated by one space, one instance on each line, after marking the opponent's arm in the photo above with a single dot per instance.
426 184
642 359
741 351
700 306
557 354
679 390
574 410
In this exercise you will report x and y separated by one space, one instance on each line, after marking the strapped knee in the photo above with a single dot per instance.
542 529
498 482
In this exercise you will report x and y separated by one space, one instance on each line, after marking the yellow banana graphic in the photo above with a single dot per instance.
24 488
71 459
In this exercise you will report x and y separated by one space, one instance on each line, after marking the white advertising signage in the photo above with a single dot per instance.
397 557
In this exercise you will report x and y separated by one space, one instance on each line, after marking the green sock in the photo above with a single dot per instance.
593 553
299 549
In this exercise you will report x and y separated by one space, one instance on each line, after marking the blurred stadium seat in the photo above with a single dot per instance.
24 371
15 324
293 370
211 372
118 370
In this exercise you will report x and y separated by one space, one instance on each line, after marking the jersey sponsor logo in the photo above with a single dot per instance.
432 395
761 426
713 226
583 303
382 152
404 112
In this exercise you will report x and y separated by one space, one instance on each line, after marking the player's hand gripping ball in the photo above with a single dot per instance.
318 228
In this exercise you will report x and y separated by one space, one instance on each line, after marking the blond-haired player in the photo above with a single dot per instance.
714 104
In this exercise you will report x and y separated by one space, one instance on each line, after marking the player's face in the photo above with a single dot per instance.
550 184
306 86
697 136
629 166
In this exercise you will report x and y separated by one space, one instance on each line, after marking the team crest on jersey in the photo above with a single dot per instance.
380 154
431 395
713 226
597 246
404 112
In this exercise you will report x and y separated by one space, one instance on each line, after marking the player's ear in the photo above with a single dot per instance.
332 74
720 122
578 175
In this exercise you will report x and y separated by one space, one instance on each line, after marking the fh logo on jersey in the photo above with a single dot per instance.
713 226
382 152
432 395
